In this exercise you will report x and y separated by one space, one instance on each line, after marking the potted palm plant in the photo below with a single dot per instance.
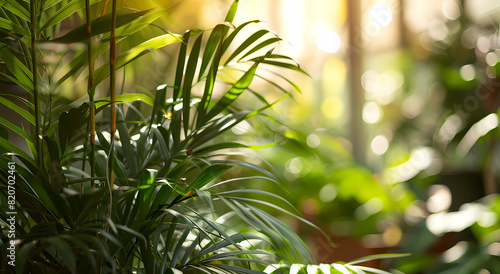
136 182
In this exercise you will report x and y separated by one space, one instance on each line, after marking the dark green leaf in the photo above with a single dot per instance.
8 103
65 251
145 197
16 129
17 68
128 149
124 17
70 123
12 26
215 41
207 176
8 146
188 82
179 70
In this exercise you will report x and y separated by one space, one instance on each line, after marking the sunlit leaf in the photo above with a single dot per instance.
128 21
126 98
17 9
188 82
233 92
12 26
249 41
134 53
16 67
378 257
65 11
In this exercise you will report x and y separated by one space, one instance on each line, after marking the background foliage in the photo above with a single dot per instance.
214 152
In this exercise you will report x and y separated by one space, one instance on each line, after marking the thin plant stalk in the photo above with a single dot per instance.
91 92
112 87
112 80
36 96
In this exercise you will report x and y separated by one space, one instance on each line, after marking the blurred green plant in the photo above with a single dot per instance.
440 127
440 165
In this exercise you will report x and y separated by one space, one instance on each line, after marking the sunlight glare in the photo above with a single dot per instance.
135 137
293 10
327 40
312 269
241 128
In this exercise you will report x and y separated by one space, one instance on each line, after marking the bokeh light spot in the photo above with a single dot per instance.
310 207
380 15
440 198
328 193
372 113
491 59
327 40
313 140
379 144
294 165
450 9
494 249
483 44
437 30
468 72
392 235
370 81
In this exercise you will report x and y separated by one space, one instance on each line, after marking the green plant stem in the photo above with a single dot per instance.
91 92
36 97
84 157
112 80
